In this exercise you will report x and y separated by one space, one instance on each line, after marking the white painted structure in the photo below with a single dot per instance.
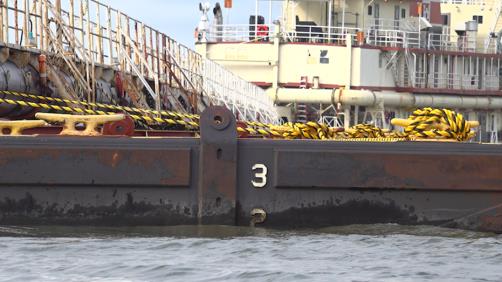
362 57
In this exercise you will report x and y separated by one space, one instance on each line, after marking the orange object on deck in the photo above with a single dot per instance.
42 69
228 4
360 37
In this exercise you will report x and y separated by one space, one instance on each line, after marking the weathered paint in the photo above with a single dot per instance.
209 180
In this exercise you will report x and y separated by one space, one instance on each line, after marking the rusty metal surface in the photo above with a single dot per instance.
98 181
55 130
85 161
218 167
219 179
308 187
123 127
430 167
97 206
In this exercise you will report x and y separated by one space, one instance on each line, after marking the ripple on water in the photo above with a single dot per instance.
352 253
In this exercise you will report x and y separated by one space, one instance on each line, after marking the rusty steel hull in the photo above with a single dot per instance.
219 179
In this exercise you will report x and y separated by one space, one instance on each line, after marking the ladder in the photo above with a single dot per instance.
85 82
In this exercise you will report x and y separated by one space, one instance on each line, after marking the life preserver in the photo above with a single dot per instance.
262 31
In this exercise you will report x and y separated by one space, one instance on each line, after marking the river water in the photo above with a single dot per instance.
353 253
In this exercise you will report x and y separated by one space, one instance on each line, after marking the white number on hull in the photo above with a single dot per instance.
260 173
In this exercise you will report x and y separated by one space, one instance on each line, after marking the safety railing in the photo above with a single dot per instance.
490 46
459 44
393 38
313 34
407 24
105 36
464 2
263 33
245 99
491 82
445 80
240 33
323 34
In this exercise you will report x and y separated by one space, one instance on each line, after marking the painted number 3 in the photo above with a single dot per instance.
260 174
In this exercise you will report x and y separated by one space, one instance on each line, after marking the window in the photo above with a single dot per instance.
445 19
478 19
403 13
370 10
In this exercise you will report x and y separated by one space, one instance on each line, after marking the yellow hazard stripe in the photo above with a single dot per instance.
100 105
68 109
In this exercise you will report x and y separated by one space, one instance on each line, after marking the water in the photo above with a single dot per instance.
354 253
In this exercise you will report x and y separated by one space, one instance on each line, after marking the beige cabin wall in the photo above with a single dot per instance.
317 11
299 60
368 69
387 8
252 62
459 14
311 11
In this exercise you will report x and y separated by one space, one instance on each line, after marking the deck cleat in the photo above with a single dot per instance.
16 127
91 122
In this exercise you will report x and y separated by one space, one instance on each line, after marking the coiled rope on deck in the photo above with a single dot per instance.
439 124
426 123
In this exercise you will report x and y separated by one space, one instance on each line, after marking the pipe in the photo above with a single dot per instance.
42 69
56 79
368 98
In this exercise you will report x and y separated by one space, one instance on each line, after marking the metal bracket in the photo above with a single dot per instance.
217 167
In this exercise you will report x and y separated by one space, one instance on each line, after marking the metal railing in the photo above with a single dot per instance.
375 35
464 2
227 89
444 80
95 33
393 38
459 44
410 24
322 34
315 34
240 33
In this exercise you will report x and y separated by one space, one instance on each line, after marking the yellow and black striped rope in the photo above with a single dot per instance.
381 140
426 123
74 110
59 108
439 123
260 132
104 106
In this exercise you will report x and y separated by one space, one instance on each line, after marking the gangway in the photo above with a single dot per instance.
106 50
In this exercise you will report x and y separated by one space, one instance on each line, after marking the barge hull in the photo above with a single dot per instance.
220 179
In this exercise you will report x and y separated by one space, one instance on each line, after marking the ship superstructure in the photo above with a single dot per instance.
347 62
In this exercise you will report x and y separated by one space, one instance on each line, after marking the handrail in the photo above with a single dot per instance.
75 44
95 31
155 94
